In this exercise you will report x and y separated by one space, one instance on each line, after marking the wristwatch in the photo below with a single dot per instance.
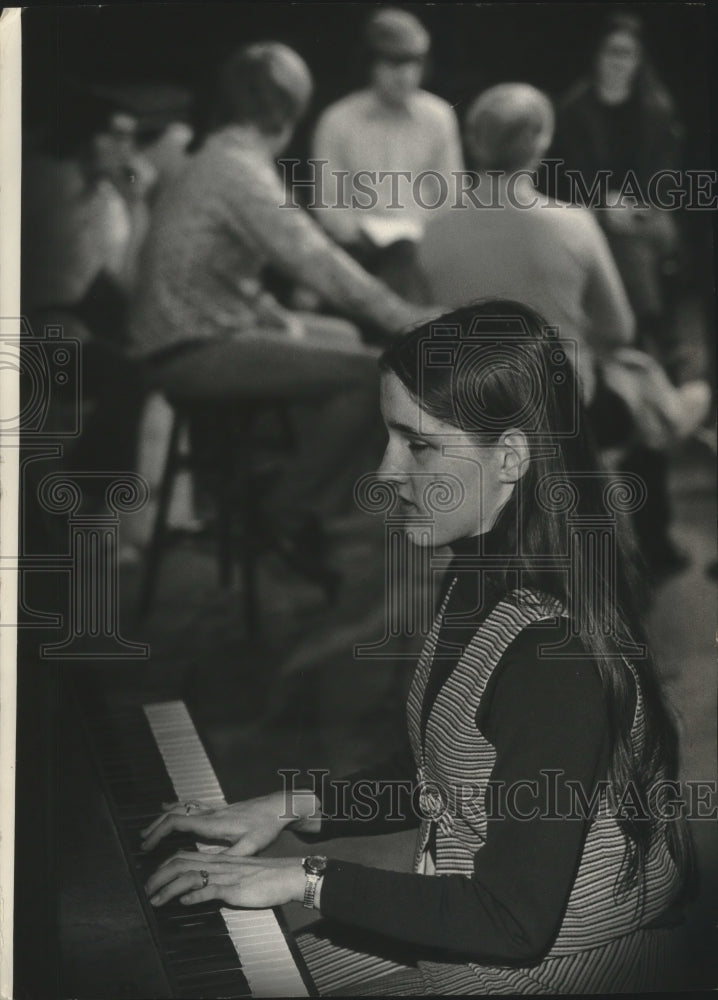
314 866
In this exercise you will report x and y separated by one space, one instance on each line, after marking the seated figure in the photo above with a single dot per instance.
205 325
508 240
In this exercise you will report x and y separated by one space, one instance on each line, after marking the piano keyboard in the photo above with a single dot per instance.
151 755
267 961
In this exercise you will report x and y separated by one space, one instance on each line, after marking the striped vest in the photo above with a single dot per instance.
455 762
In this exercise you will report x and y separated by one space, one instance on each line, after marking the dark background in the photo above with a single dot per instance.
474 46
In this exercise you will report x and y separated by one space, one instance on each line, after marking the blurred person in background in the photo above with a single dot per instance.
162 112
164 132
83 221
509 240
207 329
79 183
391 125
621 119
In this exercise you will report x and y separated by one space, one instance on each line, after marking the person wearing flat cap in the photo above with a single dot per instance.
391 126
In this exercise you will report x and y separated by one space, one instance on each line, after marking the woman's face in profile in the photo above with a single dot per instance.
618 59
447 486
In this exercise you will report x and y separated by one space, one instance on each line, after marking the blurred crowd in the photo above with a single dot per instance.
193 272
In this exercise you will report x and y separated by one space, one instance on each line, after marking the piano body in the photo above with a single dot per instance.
116 768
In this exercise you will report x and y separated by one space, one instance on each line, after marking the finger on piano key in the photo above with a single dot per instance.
164 852
171 824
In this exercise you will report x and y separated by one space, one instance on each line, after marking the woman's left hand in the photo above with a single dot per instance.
239 881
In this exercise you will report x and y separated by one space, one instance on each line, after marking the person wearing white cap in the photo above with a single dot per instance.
394 139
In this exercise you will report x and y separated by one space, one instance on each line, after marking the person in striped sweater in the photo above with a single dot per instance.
552 856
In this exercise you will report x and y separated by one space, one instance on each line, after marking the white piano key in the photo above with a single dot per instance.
267 961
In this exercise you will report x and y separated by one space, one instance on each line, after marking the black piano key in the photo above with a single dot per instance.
209 992
178 912
227 994
114 752
150 861
204 966
178 939
216 946
136 816
194 942
126 768
134 824
174 913
130 789
200 976
213 985
174 910
118 766
174 930
112 748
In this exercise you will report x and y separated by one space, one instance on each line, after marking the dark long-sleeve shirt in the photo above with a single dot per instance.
542 714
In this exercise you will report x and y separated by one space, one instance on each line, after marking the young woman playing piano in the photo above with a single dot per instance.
538 737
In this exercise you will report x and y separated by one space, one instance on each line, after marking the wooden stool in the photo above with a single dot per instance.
234 465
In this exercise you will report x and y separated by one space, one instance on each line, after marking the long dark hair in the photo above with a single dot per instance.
495 365
648 91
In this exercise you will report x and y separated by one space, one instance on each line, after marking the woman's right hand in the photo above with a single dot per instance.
248 827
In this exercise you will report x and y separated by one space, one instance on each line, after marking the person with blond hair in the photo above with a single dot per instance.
510 239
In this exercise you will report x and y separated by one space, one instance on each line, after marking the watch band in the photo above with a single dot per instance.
310 889
314 867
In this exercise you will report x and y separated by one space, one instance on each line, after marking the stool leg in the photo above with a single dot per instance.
250 511
225 499
159 531
288 432
249 559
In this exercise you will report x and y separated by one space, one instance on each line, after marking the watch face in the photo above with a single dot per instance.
315 864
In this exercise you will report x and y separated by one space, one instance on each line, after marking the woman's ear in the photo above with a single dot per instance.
514 455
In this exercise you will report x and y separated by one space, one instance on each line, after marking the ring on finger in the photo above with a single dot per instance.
189 806
205 877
